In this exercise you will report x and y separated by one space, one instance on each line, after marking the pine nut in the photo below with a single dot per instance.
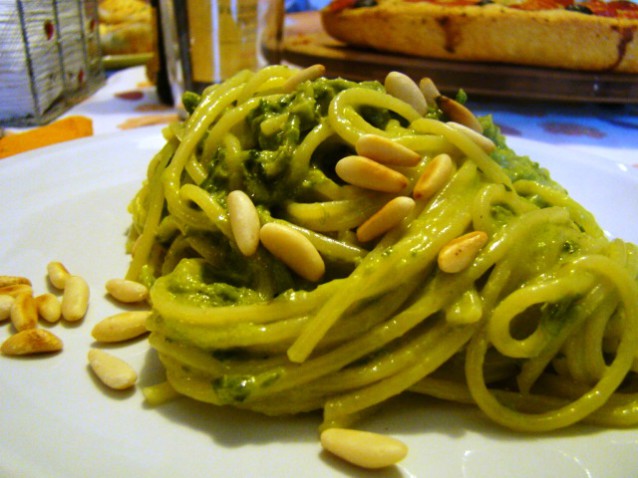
244 222
459 253
58 274
369 174
6 301
389 216
49 307
364 449
429 90
15 289
458 113
24 314
293 249
112 371
386 151
126 291
13 280
121 327
310 73
435 176
401 86
485 143
31 341
75 300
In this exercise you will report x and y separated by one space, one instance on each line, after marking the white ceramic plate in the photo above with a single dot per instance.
68 203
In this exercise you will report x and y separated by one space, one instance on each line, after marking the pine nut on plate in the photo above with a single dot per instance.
24 313
244 222
6 301
31 341
49 307
15 289
389 216
435 176
364 449
429 90
58 274
126 291
293 249
458 113
121 327
459 253
13 280
367 173
112 371
386 151
310 73
485 143
75 300
403 87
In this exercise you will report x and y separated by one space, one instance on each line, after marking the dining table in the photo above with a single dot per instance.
580 121
69 203
608 131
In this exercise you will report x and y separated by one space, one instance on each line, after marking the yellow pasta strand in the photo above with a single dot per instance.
539 329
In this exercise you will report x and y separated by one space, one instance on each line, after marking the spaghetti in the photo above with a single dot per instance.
539 330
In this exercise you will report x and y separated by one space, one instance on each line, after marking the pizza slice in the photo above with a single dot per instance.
590 35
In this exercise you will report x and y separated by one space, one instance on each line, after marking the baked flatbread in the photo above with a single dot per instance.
125 27
592 35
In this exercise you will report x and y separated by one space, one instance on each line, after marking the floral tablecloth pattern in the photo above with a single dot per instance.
609 131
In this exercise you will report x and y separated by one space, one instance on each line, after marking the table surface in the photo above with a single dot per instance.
607 131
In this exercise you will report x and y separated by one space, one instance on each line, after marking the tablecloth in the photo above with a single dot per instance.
127 100
608 131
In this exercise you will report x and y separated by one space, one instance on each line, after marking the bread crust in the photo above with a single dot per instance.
125 27
491 33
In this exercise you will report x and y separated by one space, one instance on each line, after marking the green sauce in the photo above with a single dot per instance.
264 173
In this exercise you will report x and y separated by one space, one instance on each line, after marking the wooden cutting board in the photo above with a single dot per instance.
306 43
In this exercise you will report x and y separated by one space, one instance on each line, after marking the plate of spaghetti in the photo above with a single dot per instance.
325 254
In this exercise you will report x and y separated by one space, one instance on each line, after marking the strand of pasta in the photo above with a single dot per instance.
300 163
441 348
461 141
249 334
558 197
584 355
496 195
349 124
369 277
355 388
151 220
339 215
172 177
590 401
326 245
336 358
545 291
285 306
580 313
266 79
195 170
352 343
176 252
226 122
